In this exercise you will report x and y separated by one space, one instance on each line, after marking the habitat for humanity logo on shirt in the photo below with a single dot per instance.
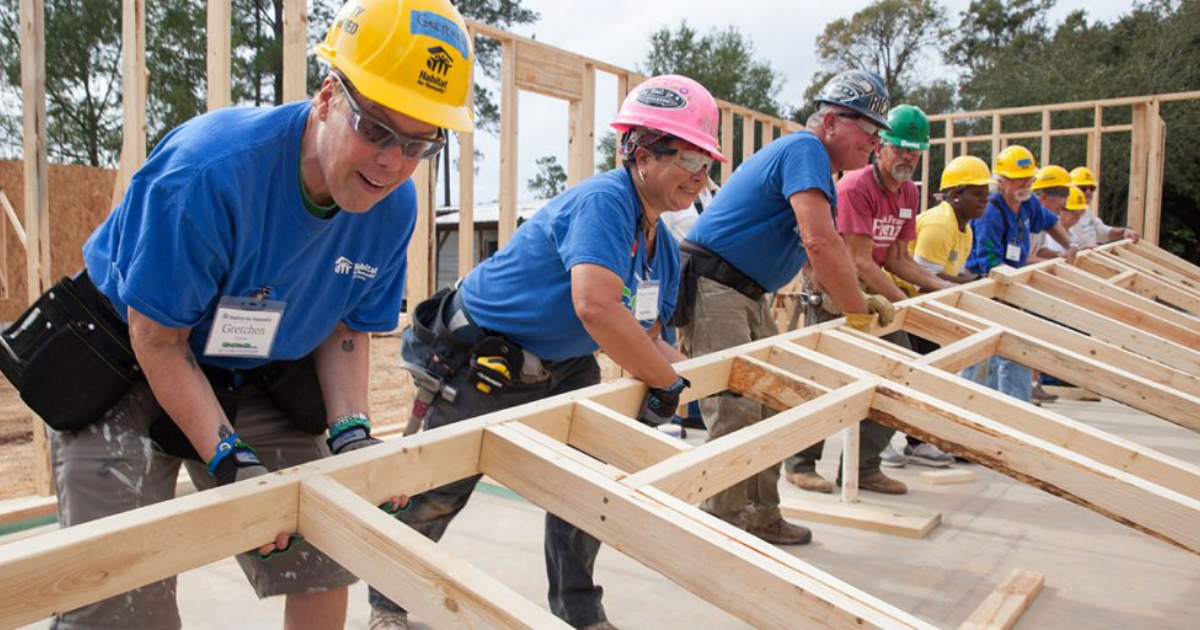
360 271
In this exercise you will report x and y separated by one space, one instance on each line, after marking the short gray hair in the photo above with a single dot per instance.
815 121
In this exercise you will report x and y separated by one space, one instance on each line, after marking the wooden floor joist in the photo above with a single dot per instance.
582 456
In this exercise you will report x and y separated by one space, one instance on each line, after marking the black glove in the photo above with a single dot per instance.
350 433
235 461
660 404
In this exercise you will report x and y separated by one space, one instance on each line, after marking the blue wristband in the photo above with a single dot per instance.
224 449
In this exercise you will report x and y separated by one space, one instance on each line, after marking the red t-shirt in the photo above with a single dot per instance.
864 206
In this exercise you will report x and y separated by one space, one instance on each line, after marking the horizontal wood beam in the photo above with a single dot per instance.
619 440
1005 605
716 465
923 322
1101 304
770 386
1104 328
761 585
1043 424
1166 259
409 568
1128 299
1076 342
965 352
1132 389
1124 498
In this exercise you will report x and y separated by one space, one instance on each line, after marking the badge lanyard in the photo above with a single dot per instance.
645 300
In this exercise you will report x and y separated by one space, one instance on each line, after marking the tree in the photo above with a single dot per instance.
550 180
890 38
721 60
606 150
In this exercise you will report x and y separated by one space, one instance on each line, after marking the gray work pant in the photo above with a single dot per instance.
873 437
570 552
723 318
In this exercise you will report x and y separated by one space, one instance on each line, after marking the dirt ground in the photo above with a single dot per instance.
391 401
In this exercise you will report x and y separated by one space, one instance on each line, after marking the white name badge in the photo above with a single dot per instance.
1013 252
244 327
906 213
645 303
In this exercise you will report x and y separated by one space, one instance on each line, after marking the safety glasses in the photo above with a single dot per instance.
868 127
691 161
383 137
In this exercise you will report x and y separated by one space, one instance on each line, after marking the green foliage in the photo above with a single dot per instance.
721 60
550 180
889 37
606 150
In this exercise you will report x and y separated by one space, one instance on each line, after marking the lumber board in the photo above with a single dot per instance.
295 62
408 567
71 567
1137 261
1124 498
906 521
510 99
218 61
714 466
466 199
618 439
1166 259
1003 606
1082 344
1140 393
1101 304
1130 300
1106 329
1159 289
947 476
965 352
549 71
770 386
759 586
923 322
726 142
1043 424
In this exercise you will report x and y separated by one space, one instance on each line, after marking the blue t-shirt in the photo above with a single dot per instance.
524 291
217 211
1000 226
751 223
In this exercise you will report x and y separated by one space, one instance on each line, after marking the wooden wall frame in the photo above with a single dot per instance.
582 456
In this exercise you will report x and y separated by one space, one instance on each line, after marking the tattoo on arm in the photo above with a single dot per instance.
191 359
348 345
224 432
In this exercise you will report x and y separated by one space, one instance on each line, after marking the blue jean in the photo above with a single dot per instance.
570 552
1003 375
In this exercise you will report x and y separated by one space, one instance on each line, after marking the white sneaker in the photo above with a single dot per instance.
891 458
928 455
387 620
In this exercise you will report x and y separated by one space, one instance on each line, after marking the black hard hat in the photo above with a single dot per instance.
861 91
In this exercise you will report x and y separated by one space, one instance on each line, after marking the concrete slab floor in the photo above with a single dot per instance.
1098 574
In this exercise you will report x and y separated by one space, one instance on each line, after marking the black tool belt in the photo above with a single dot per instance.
69 355
700 262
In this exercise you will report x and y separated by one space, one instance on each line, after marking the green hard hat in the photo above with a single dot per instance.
910 128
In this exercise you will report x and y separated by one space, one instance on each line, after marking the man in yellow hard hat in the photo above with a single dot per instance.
1002 237
1091 231
250 258
1069 216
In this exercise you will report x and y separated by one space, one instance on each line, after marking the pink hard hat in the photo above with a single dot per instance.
675 105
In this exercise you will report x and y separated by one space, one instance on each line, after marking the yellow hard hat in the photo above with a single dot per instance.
1052 176
1076 201
965 170
411 56
1016 162
1082 176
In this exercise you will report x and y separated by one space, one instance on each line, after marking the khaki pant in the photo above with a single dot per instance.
724 318
112 466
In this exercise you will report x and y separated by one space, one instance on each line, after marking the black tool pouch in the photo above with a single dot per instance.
686 302
295 388
69 355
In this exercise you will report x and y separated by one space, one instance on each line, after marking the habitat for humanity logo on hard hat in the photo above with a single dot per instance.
439 63
662 98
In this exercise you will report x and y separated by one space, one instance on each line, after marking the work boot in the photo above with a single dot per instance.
387 620
891 458
810 481
1042 396
881 483
603 625
782 532
927 454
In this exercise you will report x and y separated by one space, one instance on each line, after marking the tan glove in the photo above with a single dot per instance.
880 306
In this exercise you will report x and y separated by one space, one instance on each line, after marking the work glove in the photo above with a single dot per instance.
880 306
660 404
350 433
235 461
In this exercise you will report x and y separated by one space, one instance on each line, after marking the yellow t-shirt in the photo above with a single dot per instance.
939 247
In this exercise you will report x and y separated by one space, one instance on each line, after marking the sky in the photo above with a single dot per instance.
784 32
